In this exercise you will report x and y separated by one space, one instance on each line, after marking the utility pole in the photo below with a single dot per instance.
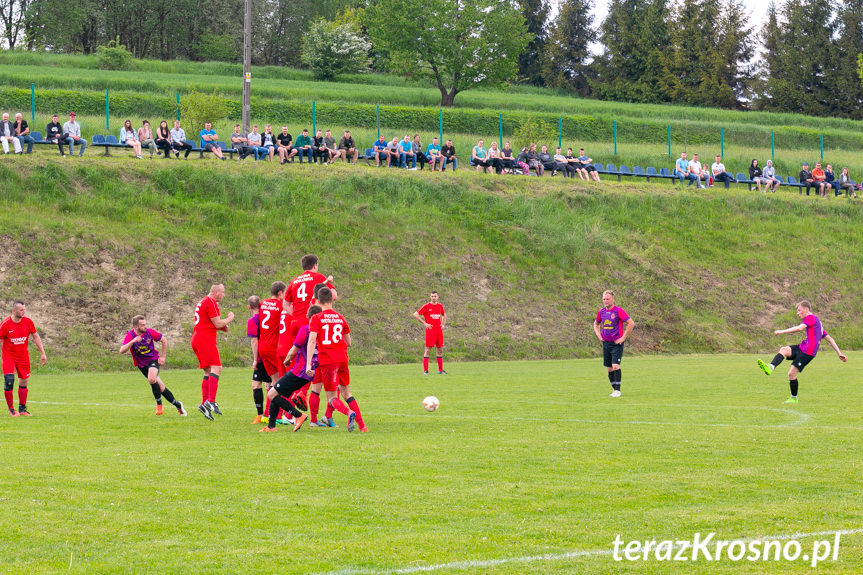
247 65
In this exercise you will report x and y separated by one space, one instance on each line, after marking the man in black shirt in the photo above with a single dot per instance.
448 153
286 146
54 133
347 148
805 177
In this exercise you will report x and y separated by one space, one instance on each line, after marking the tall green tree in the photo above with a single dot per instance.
848 45
530 61
459 44
565 61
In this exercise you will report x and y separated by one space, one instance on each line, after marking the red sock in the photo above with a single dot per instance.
8 395
440 364
425 364
304 391
337 404
267 407
205 388
352 403
22 395
214 387
314 405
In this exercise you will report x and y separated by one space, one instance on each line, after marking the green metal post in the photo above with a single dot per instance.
107 113
378 119
669 140
178 106
440 126
722 142
772 146
822 147
559 132
500 130
33 103
314 119
615 137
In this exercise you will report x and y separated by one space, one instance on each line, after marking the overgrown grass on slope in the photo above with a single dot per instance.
519 262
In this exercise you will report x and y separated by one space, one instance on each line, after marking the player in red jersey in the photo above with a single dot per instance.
300 292
285 342
15 333
208 320
140 343
329 331
271 315
433 317
259 374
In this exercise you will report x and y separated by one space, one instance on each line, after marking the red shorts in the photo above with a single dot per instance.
317 377
281 359
270 361
434 337
19 365
296 324
334 375
207 353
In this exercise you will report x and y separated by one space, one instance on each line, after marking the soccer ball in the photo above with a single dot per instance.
431 403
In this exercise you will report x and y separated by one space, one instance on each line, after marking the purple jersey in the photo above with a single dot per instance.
253 326
144 352
300 342
609 322
814 333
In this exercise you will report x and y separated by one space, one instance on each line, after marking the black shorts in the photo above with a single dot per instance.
289 383
612 353
146 368
260 373
588 168
209 146
799 359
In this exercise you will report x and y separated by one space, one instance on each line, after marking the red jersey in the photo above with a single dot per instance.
285 341
204 328
301 291
16 336
331 328
432 313
271 316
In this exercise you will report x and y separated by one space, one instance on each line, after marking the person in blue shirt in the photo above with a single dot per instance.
380 148
434 156
210 140
681 167
406 152
587 166
478 157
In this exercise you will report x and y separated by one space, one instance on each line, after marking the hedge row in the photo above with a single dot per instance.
409 118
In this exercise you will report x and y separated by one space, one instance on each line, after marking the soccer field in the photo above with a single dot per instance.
528 467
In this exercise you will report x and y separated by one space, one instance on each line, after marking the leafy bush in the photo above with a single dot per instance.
534 130
197 108
331 49
115 56
213 47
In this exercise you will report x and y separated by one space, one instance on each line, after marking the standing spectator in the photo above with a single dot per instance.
587 165
129 137
268 141
547 160
380 148
695 174
22 132
7 134
719 173
532 157
771 182
563 165
179 142
348 148
303 146
72 133
820 179
210 140
163 138
830 180
448 153
145 136
240 143
418 152
319 150
478 157
507 158
681 168
287 151
846 184
54 134
434 156
330 147
254 140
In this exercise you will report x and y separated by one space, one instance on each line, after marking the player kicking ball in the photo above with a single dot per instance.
140 343
801 355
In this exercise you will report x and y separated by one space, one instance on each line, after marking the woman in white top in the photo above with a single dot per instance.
130 138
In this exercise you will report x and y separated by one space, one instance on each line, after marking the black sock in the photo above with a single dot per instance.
157 393
777 359
258 398
283 403
792 383
169 397
617 376
611 378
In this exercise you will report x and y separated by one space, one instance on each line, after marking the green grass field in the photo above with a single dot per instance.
523 459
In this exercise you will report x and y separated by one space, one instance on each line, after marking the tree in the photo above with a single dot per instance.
535 13
848 46
568 47
460 44
331 49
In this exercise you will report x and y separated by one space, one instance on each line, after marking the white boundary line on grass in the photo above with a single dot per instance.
481 563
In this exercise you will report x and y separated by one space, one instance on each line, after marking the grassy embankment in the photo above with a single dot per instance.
519 262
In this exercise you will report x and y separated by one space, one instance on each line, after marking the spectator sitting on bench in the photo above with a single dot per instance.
129 137
287 151
587 166
820 179
210 141
145 136
771 182
695 174
72 133
330 147
547 160
418 151
347 148
54 134
563 165
507 158
719 173
434 156
406 153
448 153
380 149
830 179
393 151
846 184
254 139
576 165
303 146
493 158
22 132
240 143
163 138
532 159
179 142
478 157
681 168
7 135
319 150
268 141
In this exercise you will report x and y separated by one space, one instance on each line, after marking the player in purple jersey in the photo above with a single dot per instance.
281 392
801 355
606 326
140 342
